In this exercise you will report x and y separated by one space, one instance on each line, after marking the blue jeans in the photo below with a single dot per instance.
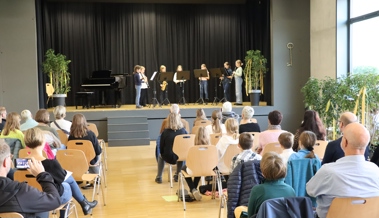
66 196
204 88
238 82
76 193
138 94
226 84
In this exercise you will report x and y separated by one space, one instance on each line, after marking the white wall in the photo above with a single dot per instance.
18 55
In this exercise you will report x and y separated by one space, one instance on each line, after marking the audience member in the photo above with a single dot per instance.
217 126
28 121
12 128
175 127
231 137
3 115
60 123
349 176
286 141
246 124
22 198
245 143
200 115
306 142
174 109
311 122
227 112
43 118
273 131
66 185
333 150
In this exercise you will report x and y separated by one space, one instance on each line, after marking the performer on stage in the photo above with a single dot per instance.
179 83
144 87
227 80
163 85
137 84
238 82
203 82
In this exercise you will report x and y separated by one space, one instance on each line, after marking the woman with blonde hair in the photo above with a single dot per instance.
217 125
175 127
231 137
200 115
79 131
247 125
60 123
12 128
307 140
202 136
66 185
237 74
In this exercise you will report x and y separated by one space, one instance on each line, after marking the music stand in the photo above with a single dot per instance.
154 100
215 74
183 75
200 73
166 77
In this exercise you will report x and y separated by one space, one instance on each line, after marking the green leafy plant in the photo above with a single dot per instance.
56 67
255 70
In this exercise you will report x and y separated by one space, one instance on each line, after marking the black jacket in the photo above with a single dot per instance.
95 142
167 142
26 200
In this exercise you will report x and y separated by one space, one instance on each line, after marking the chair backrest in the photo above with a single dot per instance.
11 215
93 128
14 145
182 144
273 146
49 89
319 148
203 123
202 159
215 137
25 176
25 153
231 151
256 139
85 146
354 207
195 129
62 136
73 160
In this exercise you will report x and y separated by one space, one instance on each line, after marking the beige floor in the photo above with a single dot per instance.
132 191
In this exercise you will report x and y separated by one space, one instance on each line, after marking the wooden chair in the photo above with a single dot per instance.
75 161
203 123
215 137
11 215
25 153
231 151
93 128
273 146
256 139
195 129
319 148
201 159
354 207
49 91
62 137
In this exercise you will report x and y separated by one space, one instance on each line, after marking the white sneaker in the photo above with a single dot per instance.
196 194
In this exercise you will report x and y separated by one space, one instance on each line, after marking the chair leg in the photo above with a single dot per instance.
183 197
170 175
213 187
102 192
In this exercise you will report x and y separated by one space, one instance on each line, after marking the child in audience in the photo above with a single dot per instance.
217 126
200 115
307 140
245 143
231 137
12 128
286 141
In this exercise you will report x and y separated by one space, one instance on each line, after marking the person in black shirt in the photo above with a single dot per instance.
227 80
247 123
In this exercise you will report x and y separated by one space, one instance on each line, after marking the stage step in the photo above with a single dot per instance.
128 131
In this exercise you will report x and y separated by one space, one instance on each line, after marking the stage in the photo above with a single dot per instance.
126 125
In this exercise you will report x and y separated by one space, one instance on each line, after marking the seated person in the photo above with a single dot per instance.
246 124
231 137
12 128
60 123
200 115
272 133
28 121
43 118
227 112
66 186
307 140
245 142
217 126
286 141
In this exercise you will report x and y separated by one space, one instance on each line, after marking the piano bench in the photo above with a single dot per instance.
85 99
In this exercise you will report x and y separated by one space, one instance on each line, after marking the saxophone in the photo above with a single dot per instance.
164 85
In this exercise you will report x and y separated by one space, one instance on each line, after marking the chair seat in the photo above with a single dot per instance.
89 176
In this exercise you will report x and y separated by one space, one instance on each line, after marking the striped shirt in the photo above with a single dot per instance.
245 155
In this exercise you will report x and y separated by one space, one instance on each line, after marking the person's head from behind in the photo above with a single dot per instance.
355 139
34 137
3 113
79 126
272 166
247 113
202 136
310 120
5 157
174 109
307 140
174 121
245 141
59 112
200 114
286 140
42 116
179 68
26 114
275 117
12 123
231 126
216 115
227 107
162 68
347 118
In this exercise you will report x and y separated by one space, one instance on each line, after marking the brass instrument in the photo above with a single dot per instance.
164 85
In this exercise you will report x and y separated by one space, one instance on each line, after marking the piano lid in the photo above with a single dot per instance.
101 74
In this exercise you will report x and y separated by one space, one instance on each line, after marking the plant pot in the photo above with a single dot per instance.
59 99
254 97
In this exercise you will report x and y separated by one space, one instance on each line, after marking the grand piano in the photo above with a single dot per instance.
107 85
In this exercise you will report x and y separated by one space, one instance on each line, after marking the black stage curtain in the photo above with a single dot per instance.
117 36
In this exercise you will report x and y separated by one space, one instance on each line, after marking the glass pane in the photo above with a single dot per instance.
364 44
361 7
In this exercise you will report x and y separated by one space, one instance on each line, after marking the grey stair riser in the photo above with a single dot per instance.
126 120
128 135
130 142
128 127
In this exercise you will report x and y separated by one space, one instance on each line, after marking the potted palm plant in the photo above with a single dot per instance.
56 67
254 73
